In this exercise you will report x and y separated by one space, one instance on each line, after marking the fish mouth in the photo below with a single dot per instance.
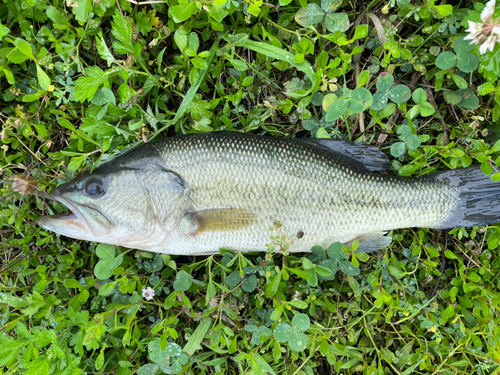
73 224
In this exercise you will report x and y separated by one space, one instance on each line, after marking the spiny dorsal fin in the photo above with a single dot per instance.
366 157
219 220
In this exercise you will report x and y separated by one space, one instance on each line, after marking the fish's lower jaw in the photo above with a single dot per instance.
68 225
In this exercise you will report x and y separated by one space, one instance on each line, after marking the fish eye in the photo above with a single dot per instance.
95 188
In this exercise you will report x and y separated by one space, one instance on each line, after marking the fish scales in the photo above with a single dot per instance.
303 187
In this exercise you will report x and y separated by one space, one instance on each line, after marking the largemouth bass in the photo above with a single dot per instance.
194 194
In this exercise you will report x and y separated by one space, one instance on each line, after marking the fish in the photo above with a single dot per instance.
195 194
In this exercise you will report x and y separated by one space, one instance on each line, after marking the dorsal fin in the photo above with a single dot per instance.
366 157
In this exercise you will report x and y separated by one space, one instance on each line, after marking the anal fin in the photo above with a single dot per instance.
219 220
370 242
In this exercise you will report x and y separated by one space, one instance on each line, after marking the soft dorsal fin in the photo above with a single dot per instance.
219 220
366 157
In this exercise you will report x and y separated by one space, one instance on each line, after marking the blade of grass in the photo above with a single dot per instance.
188 98
280 54
197 336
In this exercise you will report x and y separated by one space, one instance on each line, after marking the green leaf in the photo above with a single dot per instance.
99 362
180 13
335 251
181 39
105 251
413 141
384 82
4 30
108 288
81 9
331 265
283 332
298 304
309 16
427 109
400 94
361 32
301 322
143 23
43 78
103 50
461 46
443 10
467 62
76 162
13 301
9 349
249 284
398 149
182 281
419 96
218 13
322 133
469 99
348 268
103 270
337 22
233 279
173 350
148 369
379 101
361 98
330 5
298 342
337 109
364 77
24 47
486 88
104 96
446 60
59 20
322 271
452 97
459 81
449 254
86 87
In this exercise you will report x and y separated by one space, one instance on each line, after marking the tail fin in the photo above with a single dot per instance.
479 198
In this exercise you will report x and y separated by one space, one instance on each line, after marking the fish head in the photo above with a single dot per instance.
136 207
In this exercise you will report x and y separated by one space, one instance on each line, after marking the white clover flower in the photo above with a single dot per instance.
488 44
488 11
148 293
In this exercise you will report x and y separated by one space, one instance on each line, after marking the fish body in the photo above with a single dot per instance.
195 194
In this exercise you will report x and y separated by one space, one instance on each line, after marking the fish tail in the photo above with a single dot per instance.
478 198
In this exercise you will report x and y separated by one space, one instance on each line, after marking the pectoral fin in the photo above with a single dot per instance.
370 242
219 220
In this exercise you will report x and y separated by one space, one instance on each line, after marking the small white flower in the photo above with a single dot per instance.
488 11
496 30
148 293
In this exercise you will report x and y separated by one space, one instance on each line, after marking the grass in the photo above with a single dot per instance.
83 80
